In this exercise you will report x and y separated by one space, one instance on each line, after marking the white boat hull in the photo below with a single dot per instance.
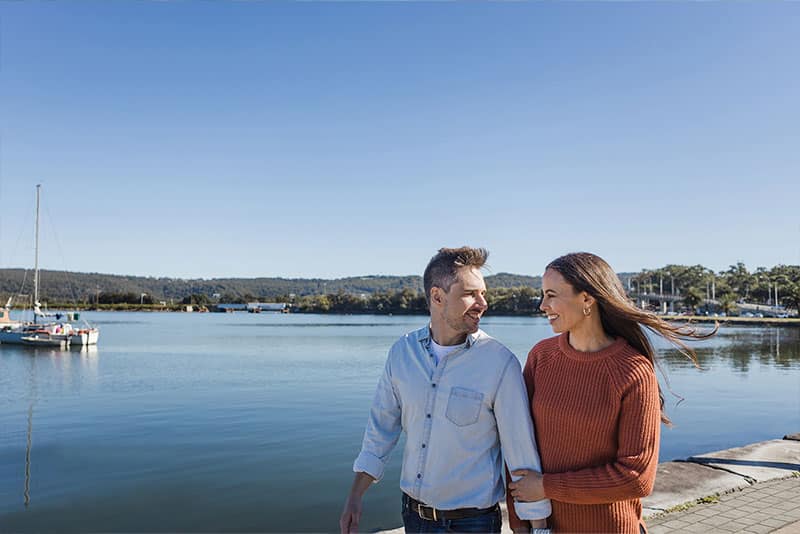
83 339
45 341
27 336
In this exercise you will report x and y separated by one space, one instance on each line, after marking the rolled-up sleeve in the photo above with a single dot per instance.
383 428
517 439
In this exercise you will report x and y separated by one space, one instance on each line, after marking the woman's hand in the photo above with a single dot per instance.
529 488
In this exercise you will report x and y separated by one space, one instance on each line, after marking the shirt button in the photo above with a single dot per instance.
423 445
434 385
429 416
419 475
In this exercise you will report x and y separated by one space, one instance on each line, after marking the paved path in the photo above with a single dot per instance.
772 506
750 489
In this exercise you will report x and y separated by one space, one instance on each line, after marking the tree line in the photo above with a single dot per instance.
507 294
696 284
501 300
95 288
696 287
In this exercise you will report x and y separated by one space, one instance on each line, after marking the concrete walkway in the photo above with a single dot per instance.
765 507
753 489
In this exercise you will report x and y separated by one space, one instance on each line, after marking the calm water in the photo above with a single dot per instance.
209 422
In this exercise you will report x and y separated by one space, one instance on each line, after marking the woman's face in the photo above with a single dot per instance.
561 303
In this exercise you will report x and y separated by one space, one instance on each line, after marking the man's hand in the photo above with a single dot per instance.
529 488
351 515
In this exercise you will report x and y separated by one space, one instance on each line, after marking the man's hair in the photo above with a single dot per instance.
442 270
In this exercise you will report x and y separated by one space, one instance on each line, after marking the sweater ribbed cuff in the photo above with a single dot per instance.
554 488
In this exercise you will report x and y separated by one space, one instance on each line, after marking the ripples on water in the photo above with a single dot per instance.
244 422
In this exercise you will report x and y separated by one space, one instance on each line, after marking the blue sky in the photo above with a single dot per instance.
200 139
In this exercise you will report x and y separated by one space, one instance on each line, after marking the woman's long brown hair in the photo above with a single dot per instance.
618 314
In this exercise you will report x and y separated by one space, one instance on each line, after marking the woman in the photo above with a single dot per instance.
595 401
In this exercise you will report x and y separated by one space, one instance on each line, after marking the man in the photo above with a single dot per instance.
460 397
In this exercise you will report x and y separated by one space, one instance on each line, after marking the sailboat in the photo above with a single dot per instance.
43 331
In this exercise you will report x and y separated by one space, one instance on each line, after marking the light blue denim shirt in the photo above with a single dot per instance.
458 416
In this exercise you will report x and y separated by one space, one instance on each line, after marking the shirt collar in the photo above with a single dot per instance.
427 337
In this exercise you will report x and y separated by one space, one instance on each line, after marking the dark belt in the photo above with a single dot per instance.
432 514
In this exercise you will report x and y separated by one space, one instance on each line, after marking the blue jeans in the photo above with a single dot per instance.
414 524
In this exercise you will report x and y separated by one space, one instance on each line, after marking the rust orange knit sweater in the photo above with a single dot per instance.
597 418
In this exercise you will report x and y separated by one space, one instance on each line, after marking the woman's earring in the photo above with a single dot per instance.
587 311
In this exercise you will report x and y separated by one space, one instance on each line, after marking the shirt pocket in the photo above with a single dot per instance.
464 406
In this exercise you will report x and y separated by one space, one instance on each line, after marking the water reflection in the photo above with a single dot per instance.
50 366
741 347
32 396
73 365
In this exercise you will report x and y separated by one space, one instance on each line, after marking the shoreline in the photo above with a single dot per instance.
704 319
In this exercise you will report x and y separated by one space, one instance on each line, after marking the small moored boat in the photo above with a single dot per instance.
45 341
43 330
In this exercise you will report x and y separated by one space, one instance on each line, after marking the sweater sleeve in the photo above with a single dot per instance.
528 373
632 473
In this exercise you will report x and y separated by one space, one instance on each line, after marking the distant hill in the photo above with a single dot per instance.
84 287
513 280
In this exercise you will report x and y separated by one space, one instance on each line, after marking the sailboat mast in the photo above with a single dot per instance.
36 252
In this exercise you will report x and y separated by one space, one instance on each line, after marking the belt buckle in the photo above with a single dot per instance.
421 512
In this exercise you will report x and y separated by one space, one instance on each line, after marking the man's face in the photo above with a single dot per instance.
465 303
